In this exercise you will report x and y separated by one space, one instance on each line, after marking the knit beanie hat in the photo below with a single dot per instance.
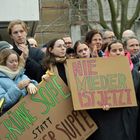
4 45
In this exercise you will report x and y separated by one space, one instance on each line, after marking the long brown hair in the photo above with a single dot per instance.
91 34
49 58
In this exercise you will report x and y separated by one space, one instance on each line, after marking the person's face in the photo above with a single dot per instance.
32 42
12 62
133 46
117 50
68 42
108 37
71 55
59 49
96 40
83 51
18 34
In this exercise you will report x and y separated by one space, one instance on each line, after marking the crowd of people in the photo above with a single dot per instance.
23 64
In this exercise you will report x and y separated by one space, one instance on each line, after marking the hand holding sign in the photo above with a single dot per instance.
47 115
47 75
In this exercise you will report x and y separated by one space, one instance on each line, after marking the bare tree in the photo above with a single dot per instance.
125 22
116 8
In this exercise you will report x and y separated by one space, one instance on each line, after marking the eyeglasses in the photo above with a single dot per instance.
110 37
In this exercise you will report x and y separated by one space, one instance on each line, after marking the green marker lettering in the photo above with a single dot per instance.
18 121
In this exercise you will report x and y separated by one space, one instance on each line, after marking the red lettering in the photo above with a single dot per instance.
121 95
91 65
114 98
107 99
101 102
77 69
85 70
129 101
85 99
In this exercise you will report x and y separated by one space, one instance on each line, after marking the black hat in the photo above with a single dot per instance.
4 45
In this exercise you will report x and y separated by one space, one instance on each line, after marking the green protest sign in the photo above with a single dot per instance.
48 115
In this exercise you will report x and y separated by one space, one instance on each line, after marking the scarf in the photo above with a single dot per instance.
11 74
53 67
60 59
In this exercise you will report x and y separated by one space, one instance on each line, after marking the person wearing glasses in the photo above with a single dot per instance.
108 36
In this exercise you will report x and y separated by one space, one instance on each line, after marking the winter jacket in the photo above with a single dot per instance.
9 89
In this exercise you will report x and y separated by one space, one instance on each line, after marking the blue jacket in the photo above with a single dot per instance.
10 91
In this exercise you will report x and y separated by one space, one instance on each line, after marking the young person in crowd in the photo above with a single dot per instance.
3 45
70 53
14 84
94 40
82 50
117 123
17 30
55 59
32 42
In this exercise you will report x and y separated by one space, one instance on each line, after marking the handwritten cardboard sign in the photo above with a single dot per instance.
95 82
48 115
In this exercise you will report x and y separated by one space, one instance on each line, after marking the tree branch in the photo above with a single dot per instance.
118 7
101 15
134 17
113 17
124 10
